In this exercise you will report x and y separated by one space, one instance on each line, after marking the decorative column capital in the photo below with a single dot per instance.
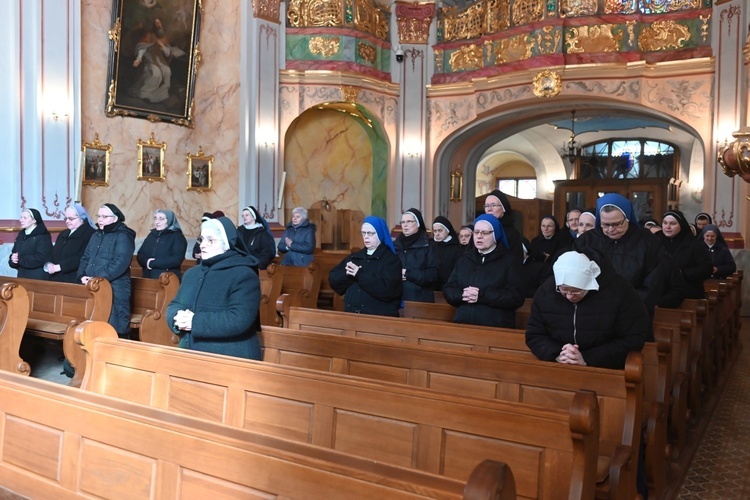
268 10
413 20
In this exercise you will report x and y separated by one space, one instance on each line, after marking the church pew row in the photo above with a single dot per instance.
658 364
552 452
60 442
149 299
505 377
14 313
294 286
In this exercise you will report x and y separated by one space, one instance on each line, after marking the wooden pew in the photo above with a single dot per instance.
506 377
149 299
552 452
426 310
658 363
14 313
327 260
270 290
137 271
59 442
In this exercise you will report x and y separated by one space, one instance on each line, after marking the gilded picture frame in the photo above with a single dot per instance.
151 159
95 159
200 170
457 185
153 60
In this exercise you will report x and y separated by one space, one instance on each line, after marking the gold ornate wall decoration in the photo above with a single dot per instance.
367 52
463 25
663 35
267 10
371 18
704 27
527 11
576 8
413 21
497 17
512 49
631 32
548 40
350 93
439 60
620 6
324 46
593 39
304 13
467 58
547 83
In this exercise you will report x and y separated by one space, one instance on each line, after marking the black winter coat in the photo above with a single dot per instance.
377 286
500 292
300 253
224 294
690 265
722 260
259 243
108 255
636 256
421 266
34 250
606 324
167 248
447 254
68 251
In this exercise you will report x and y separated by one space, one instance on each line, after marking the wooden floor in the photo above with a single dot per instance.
718 466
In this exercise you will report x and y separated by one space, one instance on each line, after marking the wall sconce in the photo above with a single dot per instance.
265 140
56 116
268 145
734 157
412 149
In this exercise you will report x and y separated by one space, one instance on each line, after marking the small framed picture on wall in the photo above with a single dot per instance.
151 159
200 167
95 157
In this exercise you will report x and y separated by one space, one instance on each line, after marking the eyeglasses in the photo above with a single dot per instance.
369 233
207 239
493 206
570 293
606 225
405 222
71 218
160 218
483 233
573 220
100 216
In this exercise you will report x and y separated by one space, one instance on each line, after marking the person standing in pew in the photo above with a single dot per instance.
204 218
216 308
257 237
447 248
370 279
164 248
108 255
485 285
33 246
419 264
586 314
70 245
298 241
721 257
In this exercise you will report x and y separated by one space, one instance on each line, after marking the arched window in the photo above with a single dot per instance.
627 159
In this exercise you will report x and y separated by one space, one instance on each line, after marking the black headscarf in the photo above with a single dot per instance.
116 211
443 221
407 241
37 218
504 201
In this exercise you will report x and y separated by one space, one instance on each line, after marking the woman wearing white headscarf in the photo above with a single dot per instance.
70 245
164 248
586 314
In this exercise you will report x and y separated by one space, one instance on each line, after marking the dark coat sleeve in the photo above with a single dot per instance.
337 277
35 252
452 290
724 262
266 250
70 258
385 284
173 255
304 240
537 332
237 314
425 275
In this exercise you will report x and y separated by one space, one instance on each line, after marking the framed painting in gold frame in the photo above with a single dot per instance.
95 157
457 185
200 167
151 159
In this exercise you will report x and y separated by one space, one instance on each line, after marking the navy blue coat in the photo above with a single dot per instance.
67 253
34 250
376 288
300 254
167 248
108 255
722 260
224 294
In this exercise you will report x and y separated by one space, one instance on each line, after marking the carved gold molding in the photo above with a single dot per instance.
663 35
469 57
413 20
593 39
547 84
367 52
365 15
324 46
267 10
350 93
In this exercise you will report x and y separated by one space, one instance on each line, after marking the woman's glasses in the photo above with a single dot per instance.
207 239
570 293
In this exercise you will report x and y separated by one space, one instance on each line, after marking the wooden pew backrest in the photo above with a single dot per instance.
14 313
149 299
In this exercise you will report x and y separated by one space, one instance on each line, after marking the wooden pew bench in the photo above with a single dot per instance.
59 442
506 377
327 260
270 290
552 452
658 363
149 299
14 313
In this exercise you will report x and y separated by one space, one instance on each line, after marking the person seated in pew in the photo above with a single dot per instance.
33 246
70 245
257 237
419 264
216 307
586 221
702 220
298 241
447 248
108 255
533 272
485 285
163 250
721 257
370 279
465 237
571 222
551 240
586 314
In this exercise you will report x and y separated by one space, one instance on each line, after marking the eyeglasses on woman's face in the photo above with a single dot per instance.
478 232
104 216
613 225
369 234
207 240
405 222
570 292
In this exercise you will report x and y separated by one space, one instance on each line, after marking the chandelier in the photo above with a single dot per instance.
572 148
